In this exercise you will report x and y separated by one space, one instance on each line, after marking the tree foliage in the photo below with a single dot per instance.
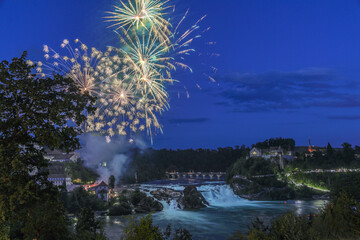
143 229
285 143
35 113
340 219
152 164
88 228
111 182
80 173
329 159
80 199
251 166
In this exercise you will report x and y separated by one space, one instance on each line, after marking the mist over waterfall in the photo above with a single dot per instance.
108 157
220 195
217 194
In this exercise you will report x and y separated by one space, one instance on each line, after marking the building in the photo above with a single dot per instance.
59 156
275 154
271 153
58 179
101 191
308 151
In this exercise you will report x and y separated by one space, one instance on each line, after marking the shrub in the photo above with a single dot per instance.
123 208
136 196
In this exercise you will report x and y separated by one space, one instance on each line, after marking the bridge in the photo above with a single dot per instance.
196 175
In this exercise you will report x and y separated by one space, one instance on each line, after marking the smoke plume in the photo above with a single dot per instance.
108 157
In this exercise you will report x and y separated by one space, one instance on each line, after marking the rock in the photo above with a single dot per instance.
165 194
148 204
253 191
192 199
322 197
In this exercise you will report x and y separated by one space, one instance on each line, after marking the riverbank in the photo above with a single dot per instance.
273 189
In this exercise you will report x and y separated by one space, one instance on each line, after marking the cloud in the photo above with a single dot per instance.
345 117
187 120
287 90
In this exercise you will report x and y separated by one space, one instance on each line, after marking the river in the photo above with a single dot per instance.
226 214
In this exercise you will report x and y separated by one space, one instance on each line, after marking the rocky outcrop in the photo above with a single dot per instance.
192 199
254 191
133 200
165 194
148 204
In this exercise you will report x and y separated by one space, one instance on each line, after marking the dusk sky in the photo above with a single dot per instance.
286 68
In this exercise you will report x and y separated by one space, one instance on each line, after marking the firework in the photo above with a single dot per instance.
79 65
124 102
151 49
130 82
142 14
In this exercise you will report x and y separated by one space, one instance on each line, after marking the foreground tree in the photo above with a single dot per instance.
339 219
145 230
35 113
87 226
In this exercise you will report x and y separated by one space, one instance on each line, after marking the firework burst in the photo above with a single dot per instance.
130 81
152 47
78 64
146 14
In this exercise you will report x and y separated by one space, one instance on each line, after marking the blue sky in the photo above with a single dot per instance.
285 68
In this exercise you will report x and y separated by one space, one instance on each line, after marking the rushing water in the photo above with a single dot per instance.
226 214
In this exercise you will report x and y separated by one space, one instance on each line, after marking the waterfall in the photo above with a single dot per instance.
221 196
170 206
217 195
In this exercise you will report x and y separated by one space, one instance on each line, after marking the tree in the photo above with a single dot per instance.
79 199
348 153
87 226
80 173
64 195
145 230
46 219
357 149
111 182
35 113
329 150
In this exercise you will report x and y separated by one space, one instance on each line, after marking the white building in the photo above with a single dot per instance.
58 179
272 152
58 156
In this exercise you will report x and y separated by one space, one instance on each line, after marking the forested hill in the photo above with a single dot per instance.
152 164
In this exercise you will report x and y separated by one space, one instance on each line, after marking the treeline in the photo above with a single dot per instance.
152 164
348 182
331 158
251 166
284 143
340 219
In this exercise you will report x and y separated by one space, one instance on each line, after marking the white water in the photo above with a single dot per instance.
221 196
217 195
226 214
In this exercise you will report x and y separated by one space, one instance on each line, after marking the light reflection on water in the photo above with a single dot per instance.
227 214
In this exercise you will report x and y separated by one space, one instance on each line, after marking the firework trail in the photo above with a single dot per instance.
129 81
78 64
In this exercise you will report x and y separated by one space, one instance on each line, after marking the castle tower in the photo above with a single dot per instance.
310 149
